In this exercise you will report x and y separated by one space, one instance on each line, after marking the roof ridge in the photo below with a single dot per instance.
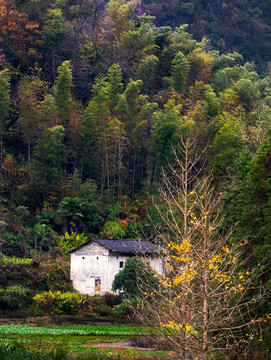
132 246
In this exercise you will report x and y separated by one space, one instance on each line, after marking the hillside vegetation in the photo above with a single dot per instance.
96 99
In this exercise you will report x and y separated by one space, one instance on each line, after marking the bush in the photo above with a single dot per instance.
14 260
113 230
103 310
36 276
15 298
59 303
111 299
69 242
19 351
136 276
126 308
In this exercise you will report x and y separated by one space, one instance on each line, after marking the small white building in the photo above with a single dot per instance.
95 263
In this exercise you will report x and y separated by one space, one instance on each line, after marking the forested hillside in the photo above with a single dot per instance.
243 26
102 104
94 100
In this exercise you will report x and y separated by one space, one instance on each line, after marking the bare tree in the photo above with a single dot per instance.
207 300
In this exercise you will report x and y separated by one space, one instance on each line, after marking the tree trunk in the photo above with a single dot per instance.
1 155
29 154
205 279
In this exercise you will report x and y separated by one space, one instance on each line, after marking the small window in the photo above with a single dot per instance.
121 264
97 257
83 257
117 257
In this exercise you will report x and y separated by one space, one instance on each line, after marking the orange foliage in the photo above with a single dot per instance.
8 165
124 223
19 37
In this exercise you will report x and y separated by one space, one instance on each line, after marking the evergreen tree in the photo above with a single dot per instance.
29 93
115 86
179 72
62 93
51 155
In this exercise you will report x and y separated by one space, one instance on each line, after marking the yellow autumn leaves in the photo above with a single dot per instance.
172 325
184 266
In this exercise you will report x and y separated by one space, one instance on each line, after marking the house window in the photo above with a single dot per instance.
97 258
83 257
121 264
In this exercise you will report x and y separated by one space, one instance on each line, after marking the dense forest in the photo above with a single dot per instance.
98 100
95 98
243 26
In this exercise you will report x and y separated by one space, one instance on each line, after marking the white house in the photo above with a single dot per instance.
95 263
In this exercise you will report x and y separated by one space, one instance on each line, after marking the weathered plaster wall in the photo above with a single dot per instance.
157 264
93 261
88 264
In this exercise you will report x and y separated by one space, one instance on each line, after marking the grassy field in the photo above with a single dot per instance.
23 329
71 342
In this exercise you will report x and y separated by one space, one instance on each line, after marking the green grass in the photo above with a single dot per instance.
78 340
11 349
69 339
108 329
73 330
144 354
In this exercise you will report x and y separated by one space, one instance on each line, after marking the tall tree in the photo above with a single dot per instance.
51 155
57 38
62 92
168 126
4 107
19 36
29 94
179 71
115 86
203 304
115 141
146 70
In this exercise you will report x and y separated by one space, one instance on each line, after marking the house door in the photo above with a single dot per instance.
97 287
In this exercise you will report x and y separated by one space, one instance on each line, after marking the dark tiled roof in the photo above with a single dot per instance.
123 246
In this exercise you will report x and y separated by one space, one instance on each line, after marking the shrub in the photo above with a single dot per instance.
125 308
37 276
14 260
136 276
59 303
111 299
19 351
113 230
103 310
15 298
68 242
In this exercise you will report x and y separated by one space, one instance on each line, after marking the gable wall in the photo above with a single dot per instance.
87 264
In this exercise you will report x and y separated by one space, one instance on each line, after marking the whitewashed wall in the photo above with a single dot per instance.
157 264
87 264
93 261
